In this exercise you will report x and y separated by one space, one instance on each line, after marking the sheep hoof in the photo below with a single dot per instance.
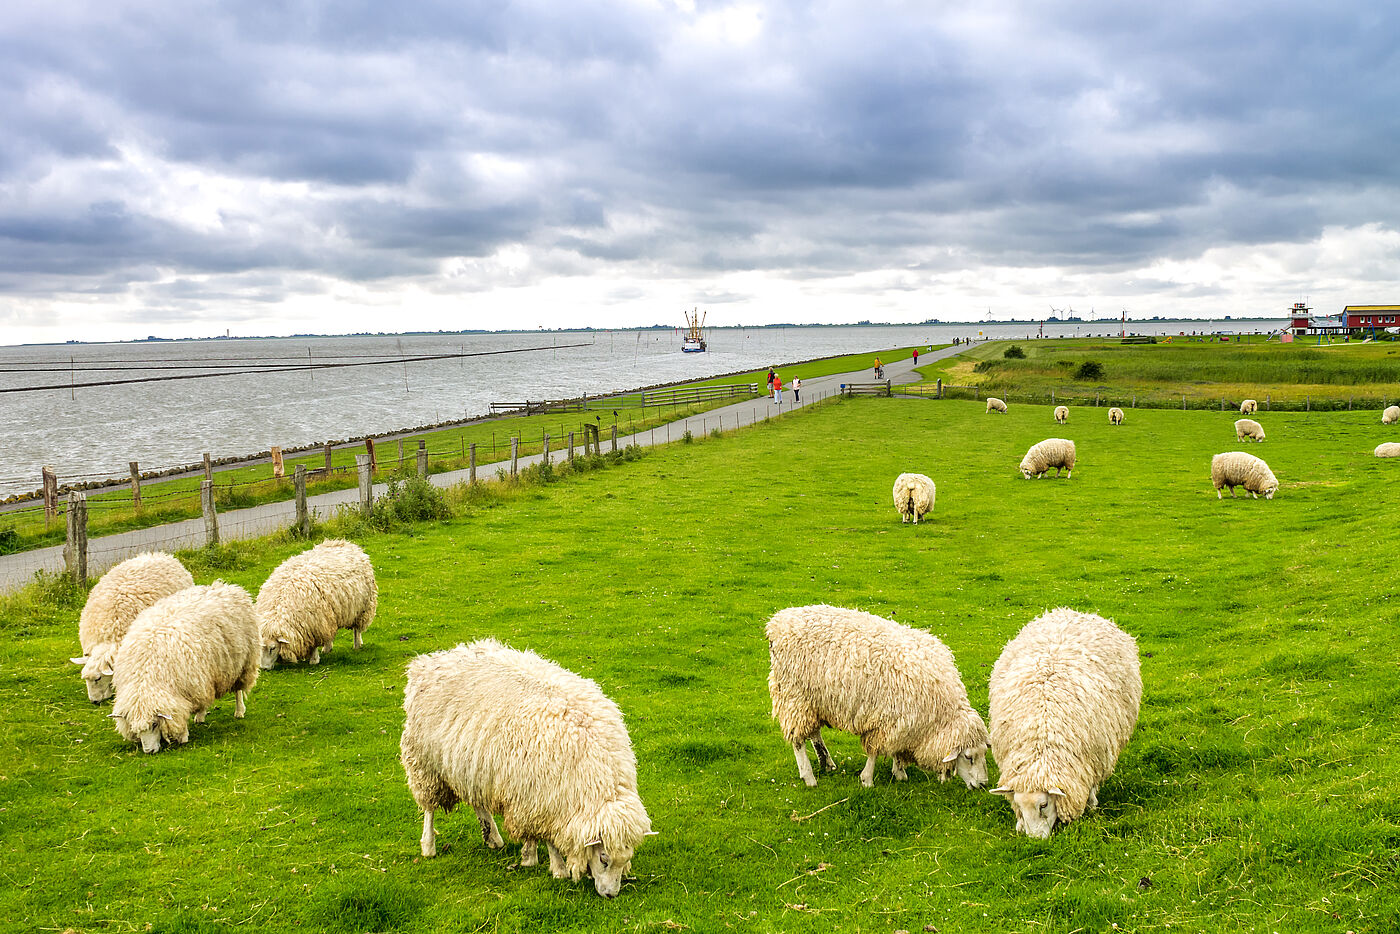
809 782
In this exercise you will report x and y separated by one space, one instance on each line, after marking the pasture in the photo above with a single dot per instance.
1256 794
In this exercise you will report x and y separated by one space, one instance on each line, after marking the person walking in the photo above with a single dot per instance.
777 389
797 389
916 356
771 376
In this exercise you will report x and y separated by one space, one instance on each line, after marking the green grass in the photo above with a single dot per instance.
1256 794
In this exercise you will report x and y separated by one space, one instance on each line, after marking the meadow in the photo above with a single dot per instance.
1254 796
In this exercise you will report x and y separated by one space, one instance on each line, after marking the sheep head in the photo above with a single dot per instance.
1036 811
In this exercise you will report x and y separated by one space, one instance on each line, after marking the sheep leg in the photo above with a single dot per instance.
315 658
867 774
489 834
1093 798
828 764
359 642
897 764
239 706
529 853
199 714
428 843
558 866
804 765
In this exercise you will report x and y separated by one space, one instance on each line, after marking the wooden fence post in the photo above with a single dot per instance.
208 467
211 518
940 387
136 485
514 454
303 514
364 466
1268 402
471 464
369 451
328 457
400 454
423 459
50 495
614 438
279 468
75 546
571 446
545 456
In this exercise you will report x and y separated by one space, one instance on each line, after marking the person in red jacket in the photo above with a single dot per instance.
777 389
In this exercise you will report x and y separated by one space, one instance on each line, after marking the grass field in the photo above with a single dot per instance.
1254 796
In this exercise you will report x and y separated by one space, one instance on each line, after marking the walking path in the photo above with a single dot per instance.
16 570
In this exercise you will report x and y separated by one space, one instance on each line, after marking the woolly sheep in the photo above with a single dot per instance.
1064 700
1388 449
1236 468
310 596
1061 414
508 731
1052 452
181 655
1248 428
913 496
115 600
1115 416
1391 415
995 405
1249 407
895 687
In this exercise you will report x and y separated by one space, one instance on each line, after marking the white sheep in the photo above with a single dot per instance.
115 600
1052 452
1061 413
312 595
1388 449
1391 415
1249 407
1248 428
508 731
1236 468
1115 416
913 496
995 405
895 687
1064 700
181 655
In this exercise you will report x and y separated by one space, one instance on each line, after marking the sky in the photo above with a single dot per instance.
290 166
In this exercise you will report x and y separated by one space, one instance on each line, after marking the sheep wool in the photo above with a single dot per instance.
1115 416
115 600
1249 407
180 655
1236 468
1064 701
1391 415
1249 429
895 687
1056 453
507 731
1388 449
1061 414
312 595
995 405
913 496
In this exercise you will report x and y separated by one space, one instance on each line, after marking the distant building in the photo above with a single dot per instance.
1366 317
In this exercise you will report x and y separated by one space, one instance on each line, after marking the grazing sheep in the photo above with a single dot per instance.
1388 449
508 731
1052 452
1391 415
1061 414
1236 468
310 596
115 600
181 655
1064 700
913 496
895 687
1248 407
1248 428
1115 416
996 405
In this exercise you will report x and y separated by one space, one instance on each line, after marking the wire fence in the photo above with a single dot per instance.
1104 397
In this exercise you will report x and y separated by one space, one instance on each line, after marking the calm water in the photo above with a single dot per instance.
93 432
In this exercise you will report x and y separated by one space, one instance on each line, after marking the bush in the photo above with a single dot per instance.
687 438
412 499
9 541
1090 371
1014 352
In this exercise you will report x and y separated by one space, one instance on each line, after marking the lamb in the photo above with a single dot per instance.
1249 407
1061 414
1115 416
995 405
115 600
180 655
1236 468
1388 449
1064 700
895 687
1052 452
508 731
310 596
913 496
1391 415
1249 428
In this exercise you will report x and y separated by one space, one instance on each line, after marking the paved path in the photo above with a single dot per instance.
16 570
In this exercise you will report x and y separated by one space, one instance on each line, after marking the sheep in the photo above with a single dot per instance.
115 600
1248 428
1391 415
180 655
1236 468
1061 414
1052 452
1115 416
1249 407
1388 449
1064 696
895 687
995 405
508 731
913 496
310 596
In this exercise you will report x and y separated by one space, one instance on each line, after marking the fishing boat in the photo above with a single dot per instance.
694 341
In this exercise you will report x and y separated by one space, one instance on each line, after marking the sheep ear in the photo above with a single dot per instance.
651 833
1056 791
951 757
114 716
108 671
598 842
1002 791
285 641
79 661
165 716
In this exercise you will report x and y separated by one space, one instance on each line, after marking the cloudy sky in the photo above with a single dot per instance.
280 166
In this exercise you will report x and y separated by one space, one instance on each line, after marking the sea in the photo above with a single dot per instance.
241 396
